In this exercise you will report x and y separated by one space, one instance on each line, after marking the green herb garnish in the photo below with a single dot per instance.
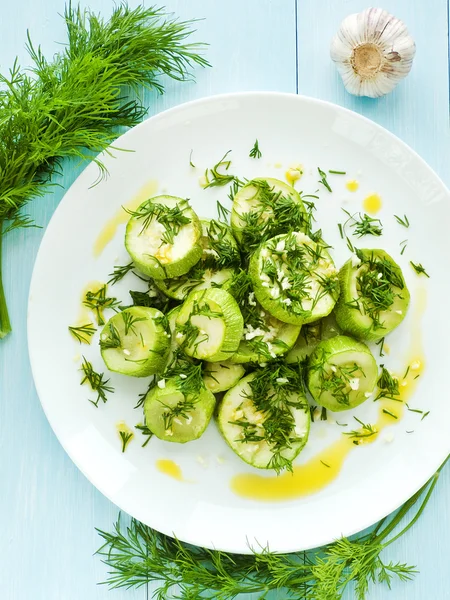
83 333
97 382
255 152
419 269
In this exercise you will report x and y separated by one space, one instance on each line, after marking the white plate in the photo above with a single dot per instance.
376 478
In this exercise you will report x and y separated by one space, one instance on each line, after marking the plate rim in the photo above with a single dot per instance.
437 462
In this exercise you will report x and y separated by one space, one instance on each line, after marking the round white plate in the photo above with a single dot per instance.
376 478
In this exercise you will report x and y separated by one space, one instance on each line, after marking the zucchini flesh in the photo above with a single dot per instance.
374 298
163 237
174 415
264 421
265 207
218 264
219 377
342 373
294 278
209 325
310 335
136 341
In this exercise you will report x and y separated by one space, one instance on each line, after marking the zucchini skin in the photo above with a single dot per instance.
342 373
355 321
154 261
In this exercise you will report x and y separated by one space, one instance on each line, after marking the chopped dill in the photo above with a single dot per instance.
83 333
255 152
419 269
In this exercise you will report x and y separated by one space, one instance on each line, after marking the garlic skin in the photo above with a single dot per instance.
373 52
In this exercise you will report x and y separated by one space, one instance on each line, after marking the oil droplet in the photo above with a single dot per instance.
109 230
352 185
278 165
84 313
324 468
372 204
170 468
294 173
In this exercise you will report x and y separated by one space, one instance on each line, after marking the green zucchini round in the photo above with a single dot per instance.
265 207
136 341
253 431
163 237
209 325
294 278
374 298
342 373
175 416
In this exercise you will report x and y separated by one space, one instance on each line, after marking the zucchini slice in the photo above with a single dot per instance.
219 377
209 325
163 237
264 337
175 413
136 341
219 261
310 335
342 373
265 207
374 298
265 418
294 278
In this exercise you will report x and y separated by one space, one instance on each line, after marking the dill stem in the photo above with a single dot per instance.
407 507
5 324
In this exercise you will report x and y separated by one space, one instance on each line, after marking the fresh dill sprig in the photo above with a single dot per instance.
388 385
255 152
145 431
190 160
119 273
126 438
218 176
171 218
403 246
323 179
362 224
381 344
337 172
83 333
222 212
75 104
404 222
419 269
359 435
98 301
97 382
137 555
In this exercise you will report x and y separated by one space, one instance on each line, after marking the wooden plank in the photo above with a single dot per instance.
418 112
49 509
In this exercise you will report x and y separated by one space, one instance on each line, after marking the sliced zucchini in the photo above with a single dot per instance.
265 418
219 377
264 337
294 278
216 267
209 325
176 414
342 373
163 237
374 298
136 341
265 207
310 335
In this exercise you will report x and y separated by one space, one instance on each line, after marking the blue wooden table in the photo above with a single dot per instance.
48 509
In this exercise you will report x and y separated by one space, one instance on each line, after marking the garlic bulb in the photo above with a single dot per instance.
373 52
